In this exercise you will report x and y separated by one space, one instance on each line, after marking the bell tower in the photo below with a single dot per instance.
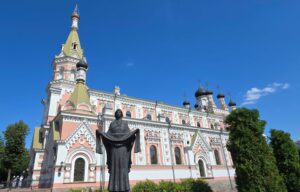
64 65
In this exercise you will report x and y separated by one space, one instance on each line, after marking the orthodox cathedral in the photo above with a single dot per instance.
176 142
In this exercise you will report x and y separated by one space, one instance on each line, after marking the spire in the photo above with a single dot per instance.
75 17
72 46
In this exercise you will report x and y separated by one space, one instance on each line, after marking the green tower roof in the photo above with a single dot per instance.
80 95
72 46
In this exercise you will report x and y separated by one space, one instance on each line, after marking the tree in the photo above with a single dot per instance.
252 157
287 159
298 146
16 156
2 169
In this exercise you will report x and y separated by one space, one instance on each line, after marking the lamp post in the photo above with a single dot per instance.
189 161
221 131
100 124
171 152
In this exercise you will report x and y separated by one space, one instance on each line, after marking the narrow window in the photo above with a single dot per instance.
153 154
167 119
79 170
149 117
73 75
183 122
41 139
128 114
198 124
60 73
201 168
177 156
217 157
74 45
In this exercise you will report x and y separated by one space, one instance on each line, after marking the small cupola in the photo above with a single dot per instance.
200 92
82 67
232 104
186 104
220 96
82 64
209 92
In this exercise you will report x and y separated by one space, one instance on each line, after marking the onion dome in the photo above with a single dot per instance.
196 105
200 92
82 64
231 103
186 102
209 92
220 95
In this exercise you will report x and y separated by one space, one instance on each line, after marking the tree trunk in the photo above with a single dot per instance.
8 178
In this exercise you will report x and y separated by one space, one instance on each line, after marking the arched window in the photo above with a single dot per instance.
177 156
212 126
128 114
201 168
167 119
79 169
198 124
217 157
153 154
60 74
73 75
149 117
183 122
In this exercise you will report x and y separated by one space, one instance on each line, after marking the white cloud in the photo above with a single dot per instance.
129 64
254 94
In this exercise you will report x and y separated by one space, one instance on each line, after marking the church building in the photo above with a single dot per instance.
177 142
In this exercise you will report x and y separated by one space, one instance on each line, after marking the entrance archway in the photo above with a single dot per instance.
201 168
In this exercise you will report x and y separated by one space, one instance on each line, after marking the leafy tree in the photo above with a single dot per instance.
2 169
253 159
16 156
298 146
287 159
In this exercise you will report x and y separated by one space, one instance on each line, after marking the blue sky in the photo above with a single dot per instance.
157 50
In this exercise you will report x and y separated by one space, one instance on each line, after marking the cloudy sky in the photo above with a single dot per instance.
158 50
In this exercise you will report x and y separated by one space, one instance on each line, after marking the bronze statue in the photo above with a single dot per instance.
118 142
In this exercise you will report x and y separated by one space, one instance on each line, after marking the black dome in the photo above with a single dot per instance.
220 95
186 102
209 92
196 105
200 92
231 103
82 64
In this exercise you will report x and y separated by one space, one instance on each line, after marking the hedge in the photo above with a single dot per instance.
187 185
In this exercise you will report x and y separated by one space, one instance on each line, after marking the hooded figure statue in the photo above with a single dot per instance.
118 142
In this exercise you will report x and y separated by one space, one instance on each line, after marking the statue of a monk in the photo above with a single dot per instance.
118 142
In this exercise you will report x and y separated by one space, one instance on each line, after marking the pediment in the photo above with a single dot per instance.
82 130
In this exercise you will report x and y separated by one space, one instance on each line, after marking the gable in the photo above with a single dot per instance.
82 130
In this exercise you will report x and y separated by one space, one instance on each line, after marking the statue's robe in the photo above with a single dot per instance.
118 142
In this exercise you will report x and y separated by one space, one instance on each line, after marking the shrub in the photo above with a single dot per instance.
145 186
167 186
186 185
192 185
201 186
75 190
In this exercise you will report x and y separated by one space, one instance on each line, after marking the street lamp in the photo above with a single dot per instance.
171 152
221 131
100 124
